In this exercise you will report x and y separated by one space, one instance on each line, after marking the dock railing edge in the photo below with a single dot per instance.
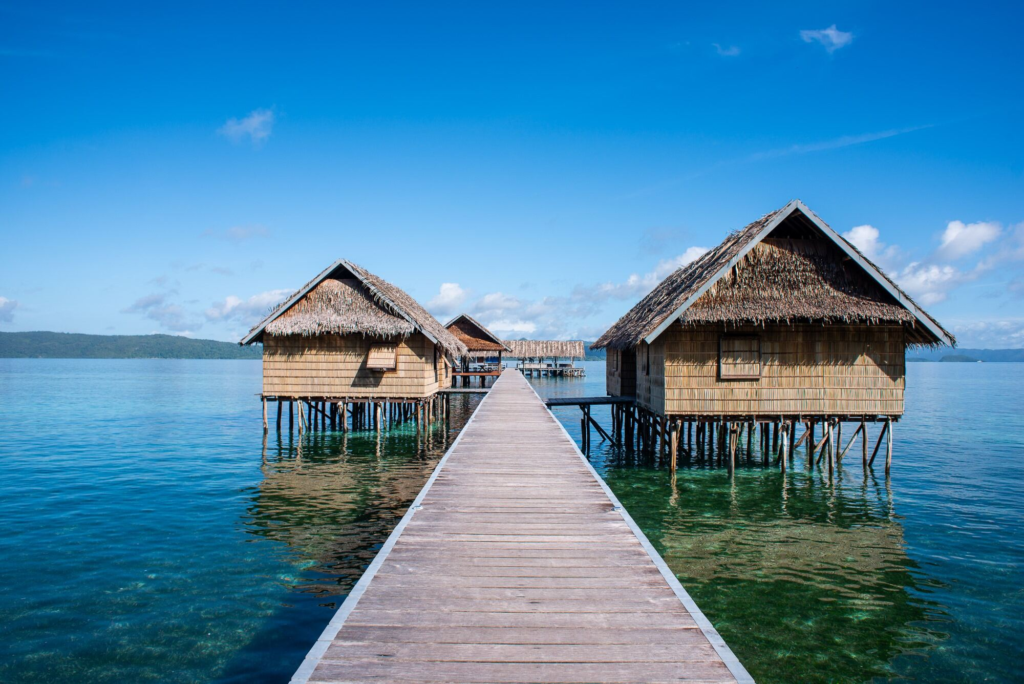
717 642
315 653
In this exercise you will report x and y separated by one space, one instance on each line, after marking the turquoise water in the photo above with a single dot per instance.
920 578
147 535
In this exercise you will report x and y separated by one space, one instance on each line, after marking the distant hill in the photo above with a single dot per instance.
51 345
986 355
594 354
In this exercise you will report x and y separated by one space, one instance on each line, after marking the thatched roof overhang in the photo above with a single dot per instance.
679 297
474 335
562 349
345 299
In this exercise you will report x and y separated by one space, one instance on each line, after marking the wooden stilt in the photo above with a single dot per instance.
888 446
291 414
853 438
864 443
881 436
810 444
279 409
265 426
785 439
674 445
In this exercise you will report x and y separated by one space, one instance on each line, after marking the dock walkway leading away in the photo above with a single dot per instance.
517 564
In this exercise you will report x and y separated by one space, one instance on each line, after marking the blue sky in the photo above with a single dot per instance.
179 168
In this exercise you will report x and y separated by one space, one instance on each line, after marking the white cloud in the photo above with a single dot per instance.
7 307
831 38
246 310
637 285
731 51
496 303
1002 334
960 239
930 283
256 127
170 316
448 300
508 328
865 238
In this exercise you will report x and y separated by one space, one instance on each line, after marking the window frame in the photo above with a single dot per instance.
378 369
722 377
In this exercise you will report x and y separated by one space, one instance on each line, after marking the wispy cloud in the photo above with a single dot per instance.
931 280
7 307
637 285
991 334
170 316
727 51
831 38
246 310
254 128
833 143
764 155
566 317
238 233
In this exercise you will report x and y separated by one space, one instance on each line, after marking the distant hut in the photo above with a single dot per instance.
481 342
548 357
485 349
784 322
351 342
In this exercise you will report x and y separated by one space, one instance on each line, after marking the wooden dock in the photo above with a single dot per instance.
517 564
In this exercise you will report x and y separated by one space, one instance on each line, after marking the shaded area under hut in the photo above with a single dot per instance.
350 350
784 323
555 358
483 359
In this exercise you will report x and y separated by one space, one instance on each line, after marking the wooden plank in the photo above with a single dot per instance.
385 669
515 564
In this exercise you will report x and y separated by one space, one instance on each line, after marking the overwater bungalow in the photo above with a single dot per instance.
548 357
349 342
485 348
785 322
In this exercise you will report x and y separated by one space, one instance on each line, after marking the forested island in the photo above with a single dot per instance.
52 345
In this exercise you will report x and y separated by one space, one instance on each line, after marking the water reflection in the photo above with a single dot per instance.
806 577
330 499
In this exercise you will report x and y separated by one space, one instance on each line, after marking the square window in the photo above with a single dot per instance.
382 357
739 357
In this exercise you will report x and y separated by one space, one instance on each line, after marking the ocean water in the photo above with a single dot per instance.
916 579
148 534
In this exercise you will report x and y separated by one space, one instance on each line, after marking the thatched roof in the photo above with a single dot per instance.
528 349
475 336
347 299
788 266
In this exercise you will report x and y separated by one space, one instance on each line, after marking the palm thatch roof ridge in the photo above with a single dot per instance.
528 349
474 335
793 276
347 299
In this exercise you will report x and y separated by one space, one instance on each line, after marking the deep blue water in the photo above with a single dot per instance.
148 534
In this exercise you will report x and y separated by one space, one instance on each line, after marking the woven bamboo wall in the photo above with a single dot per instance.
620 373
650 376
335 366
804 369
